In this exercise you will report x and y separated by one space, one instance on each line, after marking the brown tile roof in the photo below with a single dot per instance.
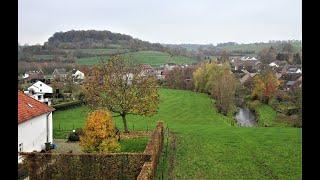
29 107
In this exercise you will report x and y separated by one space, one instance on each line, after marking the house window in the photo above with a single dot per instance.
39 97
40 90
20 147
40 84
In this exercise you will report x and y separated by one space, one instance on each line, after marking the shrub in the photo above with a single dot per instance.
22 171
79 131
73 137
67 105
293 120
253 105
99 133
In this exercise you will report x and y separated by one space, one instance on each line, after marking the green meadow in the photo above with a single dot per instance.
207 146
154 58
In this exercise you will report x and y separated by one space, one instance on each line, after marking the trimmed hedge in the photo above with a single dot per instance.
140 166
67 105
85 166
22 171
154 148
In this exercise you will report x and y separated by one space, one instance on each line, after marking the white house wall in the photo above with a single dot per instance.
41 89
33 133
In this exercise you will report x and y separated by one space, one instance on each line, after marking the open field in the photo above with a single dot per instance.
154 58
207 146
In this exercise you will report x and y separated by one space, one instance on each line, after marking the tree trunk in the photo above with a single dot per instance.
124 123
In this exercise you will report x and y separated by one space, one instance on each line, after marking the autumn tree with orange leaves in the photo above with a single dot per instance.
99 133
265 86
119 86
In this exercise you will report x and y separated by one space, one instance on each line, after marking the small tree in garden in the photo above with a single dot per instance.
265 86
99 133
120 87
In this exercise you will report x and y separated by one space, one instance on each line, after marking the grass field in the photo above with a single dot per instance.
43 57
267 115
207 146
134 144
154 58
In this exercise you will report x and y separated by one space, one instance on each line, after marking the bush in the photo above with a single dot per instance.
253 105
22 171
79 131
73 137
67 105
293 120
99 133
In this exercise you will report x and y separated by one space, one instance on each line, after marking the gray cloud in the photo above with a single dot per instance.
165 21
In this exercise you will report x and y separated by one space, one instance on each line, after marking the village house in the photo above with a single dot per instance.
34 124
290 85
273 64
147 70
248 58
77 75
169 66
32 77
291 72
247 79
249 64
60 74
294 70
41 92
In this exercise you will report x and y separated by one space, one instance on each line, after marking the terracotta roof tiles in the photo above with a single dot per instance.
29 108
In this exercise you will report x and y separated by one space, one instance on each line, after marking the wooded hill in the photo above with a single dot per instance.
98 39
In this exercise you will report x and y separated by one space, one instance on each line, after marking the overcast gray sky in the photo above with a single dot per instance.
164 21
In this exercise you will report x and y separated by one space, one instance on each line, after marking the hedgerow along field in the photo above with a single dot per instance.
207 146
154 58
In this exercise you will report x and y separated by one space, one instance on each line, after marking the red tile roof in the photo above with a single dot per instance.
29 107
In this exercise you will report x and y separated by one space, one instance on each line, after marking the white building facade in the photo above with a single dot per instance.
38 91
34 133
35 126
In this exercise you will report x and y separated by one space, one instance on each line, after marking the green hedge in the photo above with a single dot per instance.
67 105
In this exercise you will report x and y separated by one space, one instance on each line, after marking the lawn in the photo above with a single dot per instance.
267 115
154 58
134 144
207 146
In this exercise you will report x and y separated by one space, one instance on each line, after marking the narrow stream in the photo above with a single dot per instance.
245 117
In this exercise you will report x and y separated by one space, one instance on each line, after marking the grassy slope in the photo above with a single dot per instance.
266 114
208 148
154 58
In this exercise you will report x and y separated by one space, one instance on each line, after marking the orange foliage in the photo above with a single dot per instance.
99 133
265 86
